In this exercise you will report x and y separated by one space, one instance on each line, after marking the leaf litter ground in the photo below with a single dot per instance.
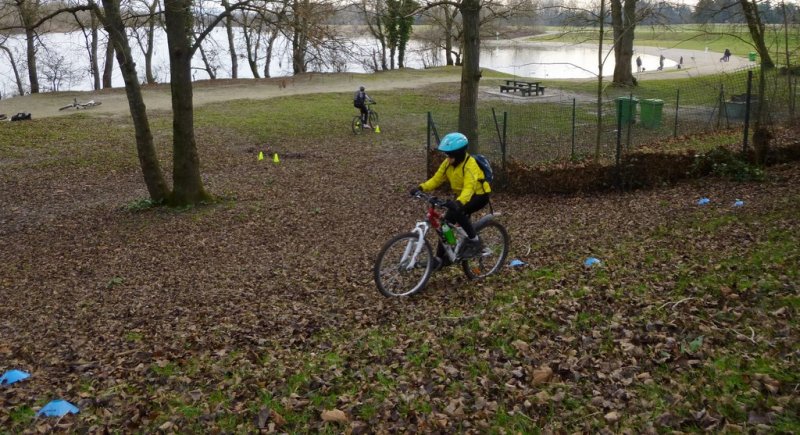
259 312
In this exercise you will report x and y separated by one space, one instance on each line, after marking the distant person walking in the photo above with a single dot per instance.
638 63
726 56
661 62
680 63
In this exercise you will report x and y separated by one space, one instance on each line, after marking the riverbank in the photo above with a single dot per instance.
114 101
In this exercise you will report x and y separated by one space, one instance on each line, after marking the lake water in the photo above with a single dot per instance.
66 52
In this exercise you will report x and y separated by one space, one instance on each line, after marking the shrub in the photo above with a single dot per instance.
722 162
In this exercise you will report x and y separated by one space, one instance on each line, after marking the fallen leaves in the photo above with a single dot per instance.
260 314
334 415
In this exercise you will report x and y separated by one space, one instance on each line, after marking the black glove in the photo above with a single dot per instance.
414 191
453 205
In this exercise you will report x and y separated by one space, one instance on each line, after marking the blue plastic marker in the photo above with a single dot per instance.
738 203
516 263
703 201
12 376
58 408
591 261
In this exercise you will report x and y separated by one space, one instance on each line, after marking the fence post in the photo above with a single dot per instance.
503 151
677 105
572 154
619 132
428 145
747 111
632 115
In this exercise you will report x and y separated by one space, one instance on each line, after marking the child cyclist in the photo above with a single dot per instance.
467 182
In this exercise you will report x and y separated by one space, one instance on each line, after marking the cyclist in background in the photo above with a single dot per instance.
467 181
359 100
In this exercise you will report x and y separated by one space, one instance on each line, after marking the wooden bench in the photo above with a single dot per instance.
508 88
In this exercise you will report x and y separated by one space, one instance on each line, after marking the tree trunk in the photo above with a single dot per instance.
268 56
148 54
28 10
33 75
210 70
17 78
153 177
599 129
231 42
252 38
187 184
470 73
449 22
108 65
93 51
300 36
623 20
756 27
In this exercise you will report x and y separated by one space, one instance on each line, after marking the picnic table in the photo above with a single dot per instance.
525 88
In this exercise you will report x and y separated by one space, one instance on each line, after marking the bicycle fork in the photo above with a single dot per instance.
413 248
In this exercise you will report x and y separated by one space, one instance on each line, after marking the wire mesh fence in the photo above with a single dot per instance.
562 126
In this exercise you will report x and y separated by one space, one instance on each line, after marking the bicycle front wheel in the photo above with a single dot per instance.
373 118
495 241
357 127
398 272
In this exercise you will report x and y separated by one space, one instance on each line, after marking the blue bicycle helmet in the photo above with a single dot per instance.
452 142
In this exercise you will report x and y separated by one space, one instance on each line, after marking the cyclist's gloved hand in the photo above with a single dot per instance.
414 191
453 205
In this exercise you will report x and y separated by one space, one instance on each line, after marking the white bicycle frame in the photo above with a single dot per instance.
421 229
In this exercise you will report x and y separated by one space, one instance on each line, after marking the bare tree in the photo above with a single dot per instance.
373 12
108 65
757 31
231 42
142 28
91 36
261 24
28 11
12 61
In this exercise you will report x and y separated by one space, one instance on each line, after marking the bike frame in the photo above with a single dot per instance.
421 229
432 220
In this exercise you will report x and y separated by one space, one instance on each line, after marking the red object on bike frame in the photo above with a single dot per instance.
433 217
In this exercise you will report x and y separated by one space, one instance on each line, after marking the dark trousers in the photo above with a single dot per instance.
364 113
462 217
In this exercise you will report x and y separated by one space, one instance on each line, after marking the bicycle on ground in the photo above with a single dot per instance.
78 106
372 119
405 263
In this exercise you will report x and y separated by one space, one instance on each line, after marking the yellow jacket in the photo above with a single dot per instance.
463 179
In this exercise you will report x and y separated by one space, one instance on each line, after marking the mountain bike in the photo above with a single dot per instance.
78 106
372 118
405 263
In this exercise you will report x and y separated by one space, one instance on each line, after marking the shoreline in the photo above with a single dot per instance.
157 98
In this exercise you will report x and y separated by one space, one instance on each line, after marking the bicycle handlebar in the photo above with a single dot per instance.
430 199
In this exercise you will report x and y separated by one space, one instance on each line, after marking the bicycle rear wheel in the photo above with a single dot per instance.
373 118
397 272
495 242
357 126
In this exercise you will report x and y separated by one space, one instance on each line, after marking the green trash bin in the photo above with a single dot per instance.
752 56
651 113
626 109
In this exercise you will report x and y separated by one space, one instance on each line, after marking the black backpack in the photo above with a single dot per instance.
21 116
358 99
486 167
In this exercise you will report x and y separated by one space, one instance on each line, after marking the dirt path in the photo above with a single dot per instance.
115 103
